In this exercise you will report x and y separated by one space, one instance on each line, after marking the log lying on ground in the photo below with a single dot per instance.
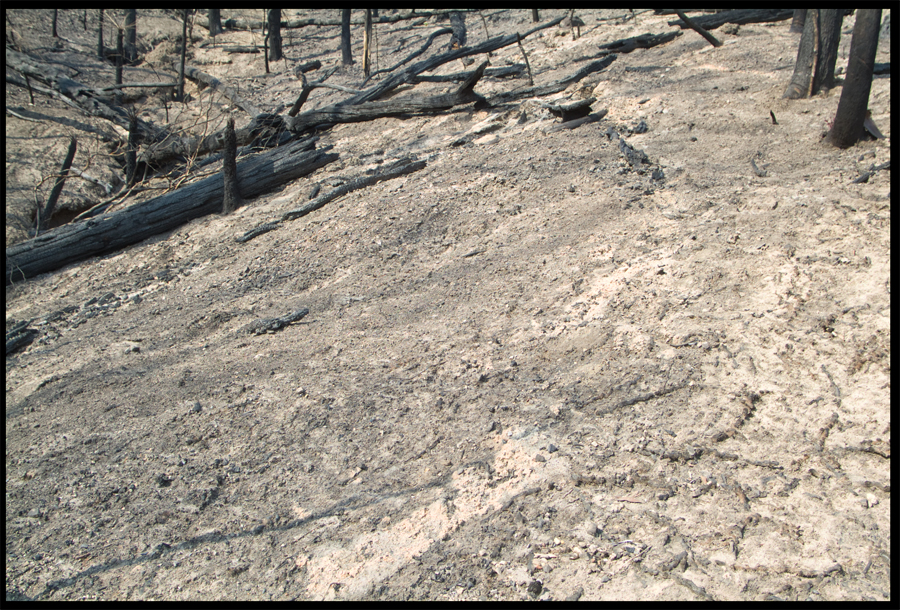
402 78
554 87
339 113
74 93
506 71
111 232
740 17
644 41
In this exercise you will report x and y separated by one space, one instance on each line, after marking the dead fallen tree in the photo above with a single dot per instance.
426 65
644 41
73 93
108 233
739 17
554 87
360 107
339 113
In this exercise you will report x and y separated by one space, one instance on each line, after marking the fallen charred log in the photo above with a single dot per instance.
644 41
740 17
108 233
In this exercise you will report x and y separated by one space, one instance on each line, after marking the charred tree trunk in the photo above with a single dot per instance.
274 25
829 40
817 54
215 21
100 35
458 25
131 151
799 21
346 57
50 206
231 199
367 44
108 233
852 108
690 23
130 35
179 93
535 15
55 13
119 60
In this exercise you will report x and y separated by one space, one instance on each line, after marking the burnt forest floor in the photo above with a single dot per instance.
529 370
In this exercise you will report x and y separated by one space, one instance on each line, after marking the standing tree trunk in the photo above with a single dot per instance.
535 15
130 35
100 36
119 60
346 58
851 111
817 53
131 151
367 44
829 40
215 21
55 12
231 197
274 25
179 94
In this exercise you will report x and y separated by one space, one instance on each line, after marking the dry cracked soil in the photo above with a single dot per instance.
530 370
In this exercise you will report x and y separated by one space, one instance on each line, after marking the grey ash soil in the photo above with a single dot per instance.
528 371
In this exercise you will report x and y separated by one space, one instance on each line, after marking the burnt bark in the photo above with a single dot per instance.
80 240
214 16
401 78
853 105
740 17
829 39
799 21
179 92
100 35
352 113
231 199
644 41
816 54
458 25
130 35
691 24
119 61
131 151
346 57
367 44
50 206
274 25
